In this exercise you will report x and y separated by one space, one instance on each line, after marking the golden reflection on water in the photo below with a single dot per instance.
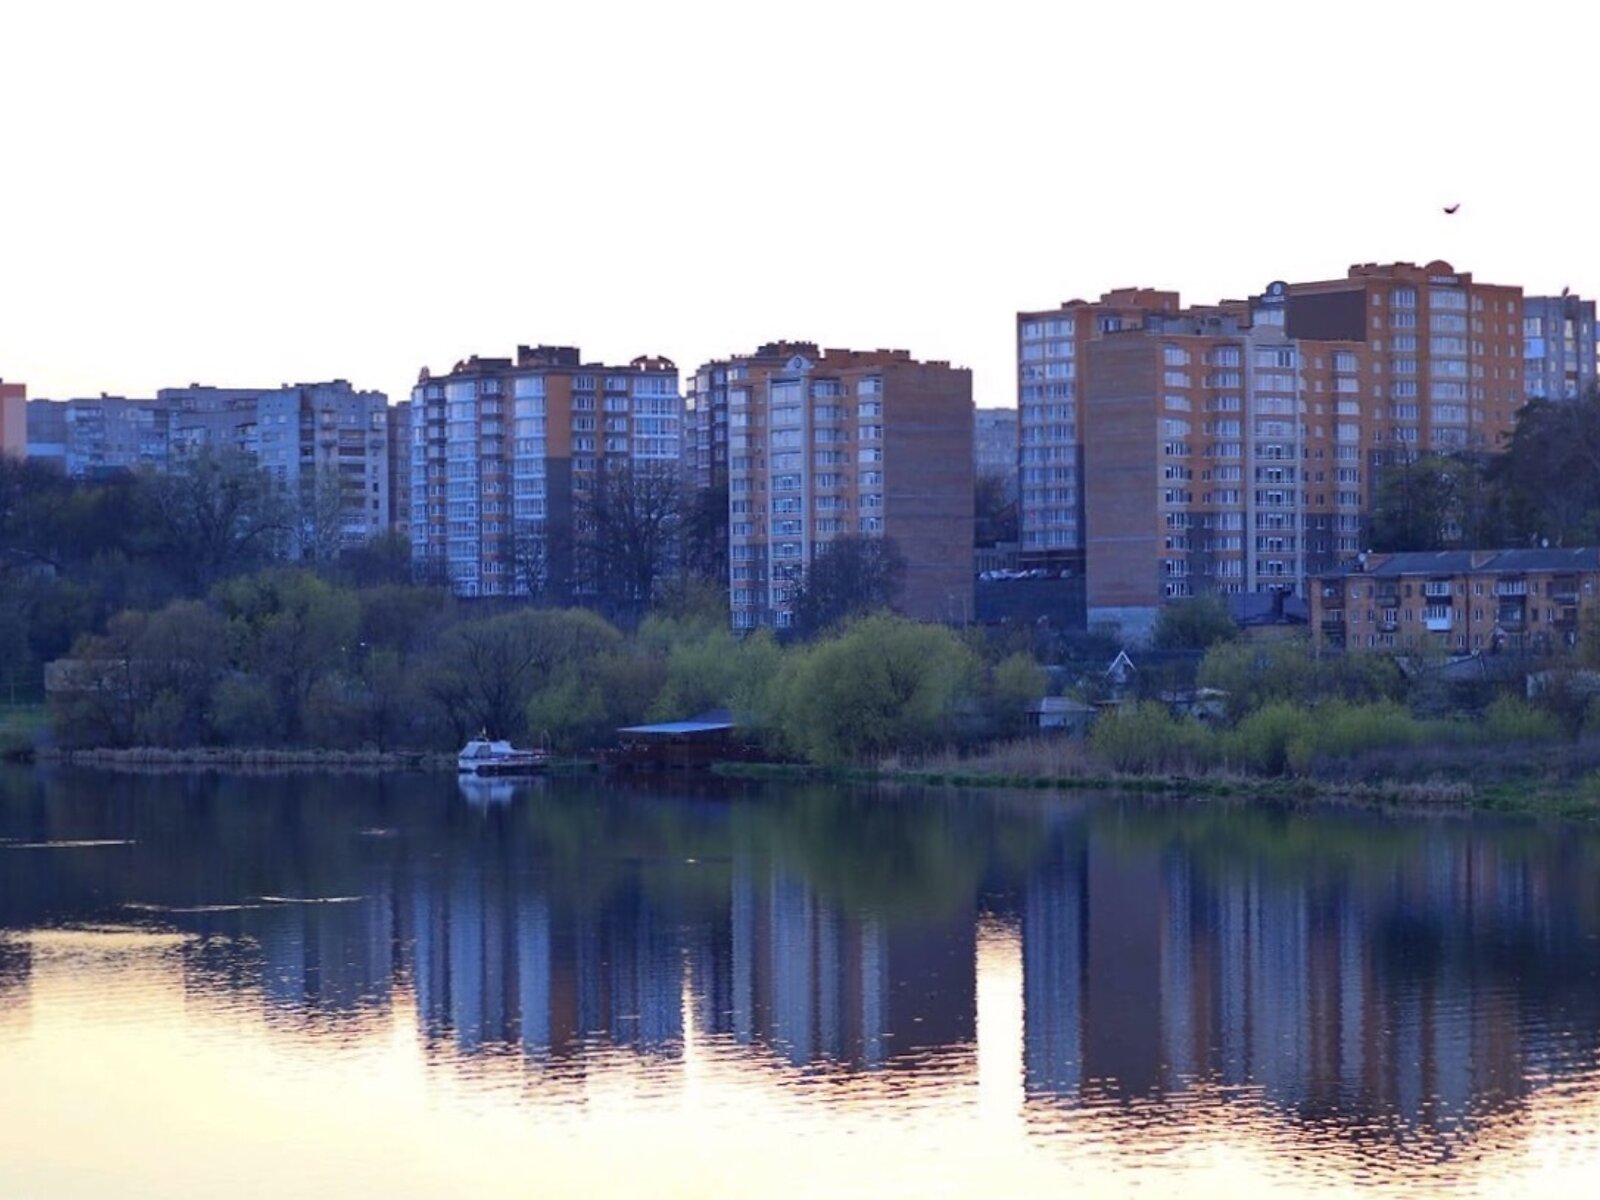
123 1072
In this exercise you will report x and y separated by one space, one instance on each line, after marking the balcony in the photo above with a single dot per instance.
1511 587
1439 618
1333 619
1511 617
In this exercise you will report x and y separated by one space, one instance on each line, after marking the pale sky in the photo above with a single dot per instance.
249 195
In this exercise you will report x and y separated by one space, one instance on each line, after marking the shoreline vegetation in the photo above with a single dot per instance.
1527 782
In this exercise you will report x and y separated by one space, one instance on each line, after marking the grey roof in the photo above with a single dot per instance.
1059 704
668 728
1475 562
1263 608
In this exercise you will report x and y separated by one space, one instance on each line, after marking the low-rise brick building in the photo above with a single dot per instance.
1463 601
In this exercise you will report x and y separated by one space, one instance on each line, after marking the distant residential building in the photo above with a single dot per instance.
994 445
399 421
1443 354
318 440
326 444
705 428
94 437
1233 447
825 444
13 419
1559 347
1050 393
1461 601
503 449
47 432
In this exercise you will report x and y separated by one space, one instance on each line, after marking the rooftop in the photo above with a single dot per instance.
1474 562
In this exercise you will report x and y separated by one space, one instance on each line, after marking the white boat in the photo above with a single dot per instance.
486 756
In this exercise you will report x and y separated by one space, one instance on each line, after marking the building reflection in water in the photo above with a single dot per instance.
1421 988
1342 971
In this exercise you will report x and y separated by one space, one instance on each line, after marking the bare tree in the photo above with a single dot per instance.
213 516
627 530
319 513
852 575
530 559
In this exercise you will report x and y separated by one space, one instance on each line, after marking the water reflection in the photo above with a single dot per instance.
1385 991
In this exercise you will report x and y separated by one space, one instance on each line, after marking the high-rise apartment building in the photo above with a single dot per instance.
1050 391
326 444
1233 447
843 442
1560 344
13 419
705 435
502 449
1443 369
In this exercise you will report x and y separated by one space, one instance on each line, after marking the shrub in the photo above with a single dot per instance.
1509 719
1145 738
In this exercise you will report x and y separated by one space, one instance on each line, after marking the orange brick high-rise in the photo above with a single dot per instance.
1234 447
825 444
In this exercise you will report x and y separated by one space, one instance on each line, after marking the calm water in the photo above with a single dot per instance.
338 987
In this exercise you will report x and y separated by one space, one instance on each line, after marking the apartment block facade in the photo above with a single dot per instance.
1214 463
88 437
1560 345
1461 601
1233 447
503 448
13 419
317 440
1051 388
824 444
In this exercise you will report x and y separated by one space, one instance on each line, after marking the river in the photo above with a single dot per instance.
337 986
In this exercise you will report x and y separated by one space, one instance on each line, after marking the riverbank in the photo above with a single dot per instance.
213 758
1527 783
1536 797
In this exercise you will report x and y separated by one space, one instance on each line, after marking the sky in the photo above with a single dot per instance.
253 194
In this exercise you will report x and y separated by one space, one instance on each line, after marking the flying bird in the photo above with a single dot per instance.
1450 209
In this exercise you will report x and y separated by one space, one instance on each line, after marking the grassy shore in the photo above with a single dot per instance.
1524 786
221 758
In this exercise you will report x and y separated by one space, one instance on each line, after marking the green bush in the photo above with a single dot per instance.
1145 738
1509 719
1262 741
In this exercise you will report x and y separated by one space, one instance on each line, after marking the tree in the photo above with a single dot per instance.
212 516
1420 503
484 673
1194 623
530 559
882 685
289 628
1550 472
995 510
319 519
1014 683
705 534
627 526
851 576
382 560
